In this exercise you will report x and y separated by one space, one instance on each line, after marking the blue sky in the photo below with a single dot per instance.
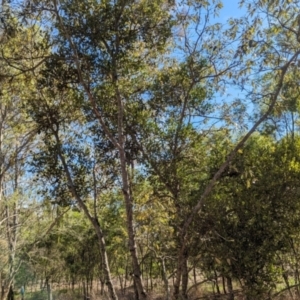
231 10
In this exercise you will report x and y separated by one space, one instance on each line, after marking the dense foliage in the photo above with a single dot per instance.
149 150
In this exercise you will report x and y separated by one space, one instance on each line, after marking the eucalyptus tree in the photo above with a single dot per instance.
171 150
66 163
113 47
116 64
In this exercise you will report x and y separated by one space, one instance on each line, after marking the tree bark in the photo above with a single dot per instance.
131 235
165 278
49 290
178 275
11 294
230 288
185 277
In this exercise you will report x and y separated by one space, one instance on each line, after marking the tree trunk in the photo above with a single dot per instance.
223 285
217 283
105 263
11 295
185 277
5 293
129 214
93 220
165 278
11 217
179 267
150 274
230 288
136 292
49 290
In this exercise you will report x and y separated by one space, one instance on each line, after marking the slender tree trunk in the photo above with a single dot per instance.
185 277
223 285
91 283
12 240
49 289
286 280
131 235
217 283
1 284
177 280
165 278
11 294
179 267
150 274
105 265
136 292
4 291
230 288
87 292
84 290
93 220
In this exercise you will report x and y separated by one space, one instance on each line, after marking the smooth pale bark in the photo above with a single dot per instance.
49 290
132 244
165 278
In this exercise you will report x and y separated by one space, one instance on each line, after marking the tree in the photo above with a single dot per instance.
16 136
66 161
118 50
270 57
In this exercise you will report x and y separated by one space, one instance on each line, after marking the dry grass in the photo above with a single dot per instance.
205 291
195 295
